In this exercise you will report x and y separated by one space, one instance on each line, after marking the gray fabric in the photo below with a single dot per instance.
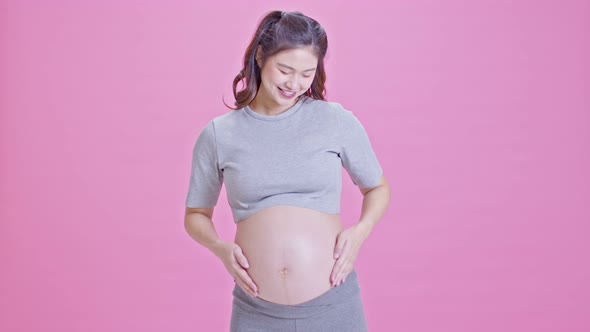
293 158
338 309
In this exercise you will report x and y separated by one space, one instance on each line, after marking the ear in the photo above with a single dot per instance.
259 56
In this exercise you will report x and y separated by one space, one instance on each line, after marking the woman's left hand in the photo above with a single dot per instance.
348 244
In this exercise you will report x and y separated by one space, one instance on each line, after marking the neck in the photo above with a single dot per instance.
267 106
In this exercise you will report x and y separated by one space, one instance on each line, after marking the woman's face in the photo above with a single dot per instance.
286 76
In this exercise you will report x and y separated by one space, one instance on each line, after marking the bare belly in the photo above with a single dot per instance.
290 252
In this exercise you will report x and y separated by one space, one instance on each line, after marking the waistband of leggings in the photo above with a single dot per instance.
327 301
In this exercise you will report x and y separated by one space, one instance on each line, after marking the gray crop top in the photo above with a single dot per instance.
293 158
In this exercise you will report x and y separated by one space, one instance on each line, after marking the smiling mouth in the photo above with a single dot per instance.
287 93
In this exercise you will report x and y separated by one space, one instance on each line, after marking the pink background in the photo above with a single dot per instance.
479 112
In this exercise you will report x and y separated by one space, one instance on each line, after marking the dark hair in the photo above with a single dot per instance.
276 32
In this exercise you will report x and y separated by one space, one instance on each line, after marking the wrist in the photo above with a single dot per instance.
217 246
364 228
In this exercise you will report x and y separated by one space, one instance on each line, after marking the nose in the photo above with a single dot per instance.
292 83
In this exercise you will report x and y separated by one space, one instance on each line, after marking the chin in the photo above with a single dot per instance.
282 101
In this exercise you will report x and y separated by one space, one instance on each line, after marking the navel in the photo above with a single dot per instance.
283 272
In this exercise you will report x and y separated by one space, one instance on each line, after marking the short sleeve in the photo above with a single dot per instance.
206 178
357 155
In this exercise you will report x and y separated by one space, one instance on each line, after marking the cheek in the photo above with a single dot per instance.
268 76
308 82
270 81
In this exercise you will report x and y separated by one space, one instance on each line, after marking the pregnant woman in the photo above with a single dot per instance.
280 153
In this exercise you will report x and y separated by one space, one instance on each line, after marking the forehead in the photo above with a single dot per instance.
298 58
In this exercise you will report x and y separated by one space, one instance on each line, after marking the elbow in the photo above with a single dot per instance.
190 212
382 184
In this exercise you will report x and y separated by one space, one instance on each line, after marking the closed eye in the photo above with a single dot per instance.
287 73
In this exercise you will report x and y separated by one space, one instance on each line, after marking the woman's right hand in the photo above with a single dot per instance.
236 264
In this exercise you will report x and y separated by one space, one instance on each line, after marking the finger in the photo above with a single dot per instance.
242 260
343 272
245 286
340 264
248 280
333 279
246 289
345 249
340 243
346 275
336 272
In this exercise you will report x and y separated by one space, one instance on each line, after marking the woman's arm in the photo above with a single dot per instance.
349 241
200 227
375 203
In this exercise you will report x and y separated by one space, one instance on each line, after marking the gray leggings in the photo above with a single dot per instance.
338 309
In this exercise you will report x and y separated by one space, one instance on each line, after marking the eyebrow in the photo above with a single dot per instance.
283 65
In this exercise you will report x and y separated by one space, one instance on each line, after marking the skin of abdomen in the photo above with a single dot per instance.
290 251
